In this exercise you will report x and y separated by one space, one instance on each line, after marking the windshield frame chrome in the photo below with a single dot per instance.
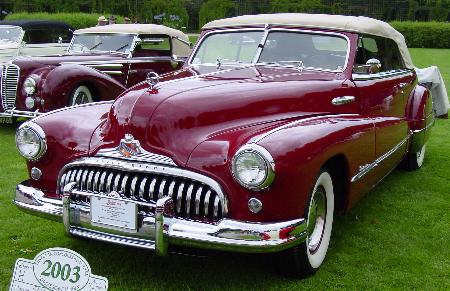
128 54
267 29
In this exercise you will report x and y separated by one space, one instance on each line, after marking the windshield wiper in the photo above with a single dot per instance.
95 46
122 47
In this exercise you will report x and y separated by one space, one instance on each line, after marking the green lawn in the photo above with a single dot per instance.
397 237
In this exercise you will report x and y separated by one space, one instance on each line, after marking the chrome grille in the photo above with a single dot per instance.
193 199
8 84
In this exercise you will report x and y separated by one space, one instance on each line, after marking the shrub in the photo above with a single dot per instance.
76 20
215 9
170 13
424 34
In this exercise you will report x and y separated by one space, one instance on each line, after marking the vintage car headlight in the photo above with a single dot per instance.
31 141
253 167
29 85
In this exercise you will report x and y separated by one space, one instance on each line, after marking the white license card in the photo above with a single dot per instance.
113 213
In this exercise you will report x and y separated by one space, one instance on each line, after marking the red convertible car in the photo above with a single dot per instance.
101 63
274 124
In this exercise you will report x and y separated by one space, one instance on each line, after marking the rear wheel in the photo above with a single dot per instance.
80 95
414 161
306 258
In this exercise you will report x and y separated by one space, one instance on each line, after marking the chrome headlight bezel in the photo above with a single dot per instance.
41 140
266 160
29 85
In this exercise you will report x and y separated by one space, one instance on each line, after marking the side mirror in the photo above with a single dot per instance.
60 40
23 44
374 66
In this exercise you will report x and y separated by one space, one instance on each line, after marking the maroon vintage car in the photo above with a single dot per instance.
274 123
100 64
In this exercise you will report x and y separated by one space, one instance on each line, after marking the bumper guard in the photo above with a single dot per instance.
158 231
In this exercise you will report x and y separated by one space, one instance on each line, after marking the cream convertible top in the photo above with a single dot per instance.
358 24
179 48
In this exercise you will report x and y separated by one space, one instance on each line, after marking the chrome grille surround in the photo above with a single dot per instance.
8 85
195 196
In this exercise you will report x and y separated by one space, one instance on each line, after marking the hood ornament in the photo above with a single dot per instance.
129 147
152 80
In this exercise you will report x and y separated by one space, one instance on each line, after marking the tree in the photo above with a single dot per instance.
216 9
311 6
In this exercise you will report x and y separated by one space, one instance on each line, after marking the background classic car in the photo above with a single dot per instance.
100 64
33 38
252 148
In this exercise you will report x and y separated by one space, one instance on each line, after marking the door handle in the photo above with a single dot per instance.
402 85
342 100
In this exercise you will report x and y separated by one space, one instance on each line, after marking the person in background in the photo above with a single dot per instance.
112 19
101 21
127 20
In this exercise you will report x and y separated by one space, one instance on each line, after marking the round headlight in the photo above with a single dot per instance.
253 167
30 141
29 86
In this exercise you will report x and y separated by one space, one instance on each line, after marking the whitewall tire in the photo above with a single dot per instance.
306 258
414 161
80 95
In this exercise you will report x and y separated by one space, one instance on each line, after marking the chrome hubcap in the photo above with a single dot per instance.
316 219
81 98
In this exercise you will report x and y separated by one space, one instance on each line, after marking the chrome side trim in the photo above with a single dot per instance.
369 167
115 73
381 75
258 138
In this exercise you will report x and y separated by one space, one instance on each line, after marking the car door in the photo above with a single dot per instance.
384 95
152 54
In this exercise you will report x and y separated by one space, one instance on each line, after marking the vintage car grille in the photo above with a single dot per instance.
9 81
193 199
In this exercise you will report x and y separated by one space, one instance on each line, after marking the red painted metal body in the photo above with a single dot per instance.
200 121
58 76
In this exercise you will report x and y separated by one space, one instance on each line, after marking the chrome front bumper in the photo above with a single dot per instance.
158 231
20 113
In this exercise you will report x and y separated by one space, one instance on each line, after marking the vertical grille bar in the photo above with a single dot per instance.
193 199
8 86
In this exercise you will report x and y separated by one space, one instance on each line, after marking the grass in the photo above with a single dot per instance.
396 237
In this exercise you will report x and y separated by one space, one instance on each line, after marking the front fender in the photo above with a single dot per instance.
62 80
68 132
300 149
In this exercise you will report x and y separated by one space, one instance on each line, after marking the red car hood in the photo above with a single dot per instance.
184 112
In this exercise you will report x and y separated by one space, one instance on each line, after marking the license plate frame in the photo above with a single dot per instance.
112 213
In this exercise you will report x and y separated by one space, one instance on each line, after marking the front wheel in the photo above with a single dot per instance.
80 95
306 258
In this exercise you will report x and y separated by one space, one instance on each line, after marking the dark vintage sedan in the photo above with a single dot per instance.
33 38
274 124
101 63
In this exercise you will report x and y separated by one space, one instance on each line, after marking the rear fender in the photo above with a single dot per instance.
420 114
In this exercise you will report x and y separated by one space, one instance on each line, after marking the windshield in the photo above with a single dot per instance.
101 42
10 35
229 48
286 48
